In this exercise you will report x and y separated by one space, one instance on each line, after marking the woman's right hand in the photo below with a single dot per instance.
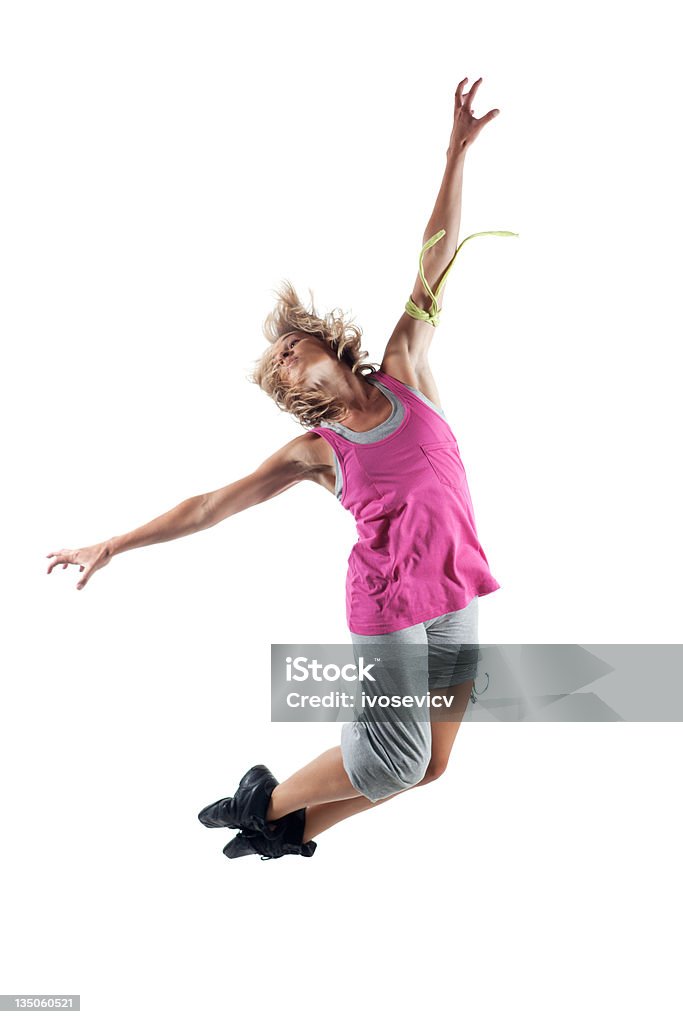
89 559
466 126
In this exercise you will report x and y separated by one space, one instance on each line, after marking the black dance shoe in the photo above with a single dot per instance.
248 807
289 841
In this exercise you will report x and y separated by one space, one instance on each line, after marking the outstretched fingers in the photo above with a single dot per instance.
471 94
88 559
82 582
463 103
63 558
57 559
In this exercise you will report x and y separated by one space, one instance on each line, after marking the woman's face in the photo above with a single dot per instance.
298 353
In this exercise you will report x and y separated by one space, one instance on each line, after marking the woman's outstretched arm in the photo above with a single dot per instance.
299 459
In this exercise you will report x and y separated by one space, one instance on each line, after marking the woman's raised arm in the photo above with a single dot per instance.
447 210
406 353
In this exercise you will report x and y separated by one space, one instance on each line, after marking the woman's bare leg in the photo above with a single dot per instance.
324 788
320 781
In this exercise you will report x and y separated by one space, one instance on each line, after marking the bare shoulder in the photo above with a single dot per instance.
304 454
315 459
409 364
305 457
311 451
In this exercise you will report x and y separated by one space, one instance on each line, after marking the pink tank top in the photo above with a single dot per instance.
417 554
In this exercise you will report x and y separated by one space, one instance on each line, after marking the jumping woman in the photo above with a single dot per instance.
380 442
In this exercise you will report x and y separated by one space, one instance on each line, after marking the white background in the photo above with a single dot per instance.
165 166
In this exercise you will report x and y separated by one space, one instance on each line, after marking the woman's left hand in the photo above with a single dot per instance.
466 126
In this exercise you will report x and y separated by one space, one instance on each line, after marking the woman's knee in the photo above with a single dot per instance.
375 771
389 779
414 770
434 770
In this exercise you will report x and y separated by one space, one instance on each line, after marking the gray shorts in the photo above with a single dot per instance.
385 752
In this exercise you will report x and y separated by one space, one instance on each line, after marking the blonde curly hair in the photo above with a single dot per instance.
309 405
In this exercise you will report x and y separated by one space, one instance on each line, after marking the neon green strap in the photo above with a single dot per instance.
432 316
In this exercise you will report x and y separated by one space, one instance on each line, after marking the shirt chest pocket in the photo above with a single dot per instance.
444 458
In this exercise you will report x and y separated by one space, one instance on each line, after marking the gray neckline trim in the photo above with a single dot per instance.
379 432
